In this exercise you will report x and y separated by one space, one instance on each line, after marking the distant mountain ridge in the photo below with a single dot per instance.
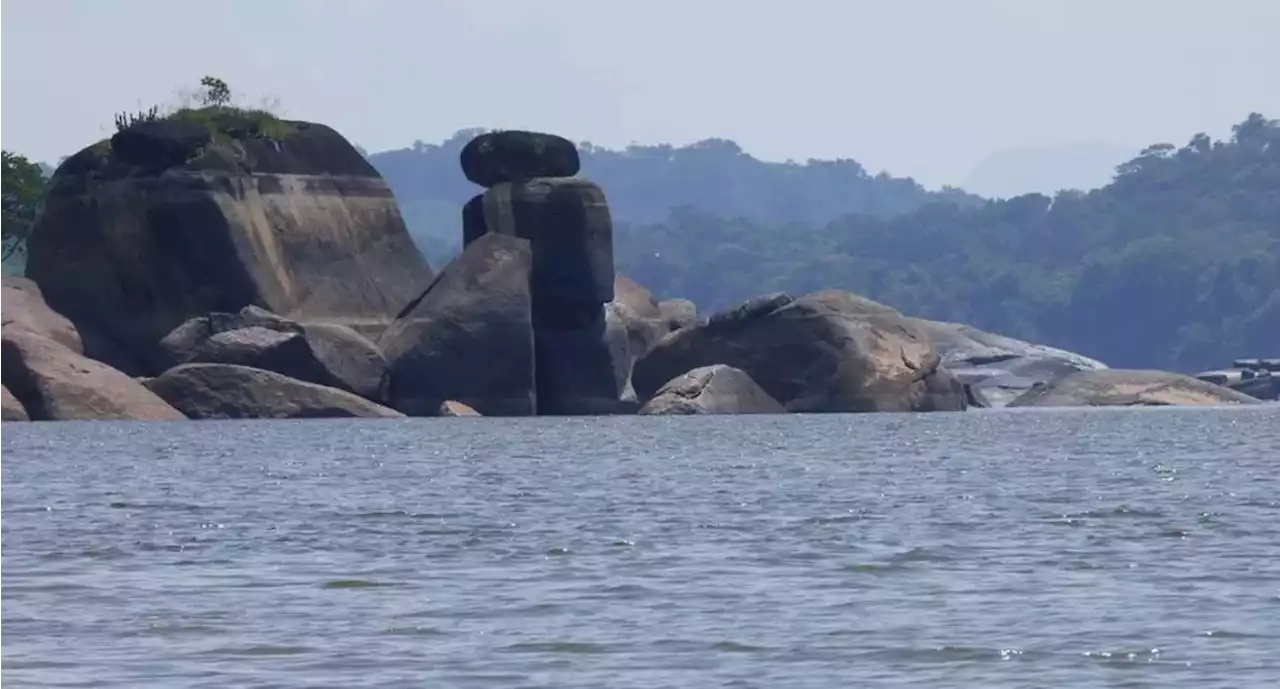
645 184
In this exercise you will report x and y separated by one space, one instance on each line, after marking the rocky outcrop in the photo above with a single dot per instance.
226 391
579 357
25 310
825 352
997 368
1127 388
13 409
327 354
450 408
173 219
54 383
715 389
469 336
513 155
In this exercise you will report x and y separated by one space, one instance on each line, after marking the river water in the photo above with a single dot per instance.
1010 548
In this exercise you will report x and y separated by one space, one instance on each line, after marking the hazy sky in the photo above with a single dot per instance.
921 88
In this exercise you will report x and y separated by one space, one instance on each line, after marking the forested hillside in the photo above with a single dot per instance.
645 183
1175 264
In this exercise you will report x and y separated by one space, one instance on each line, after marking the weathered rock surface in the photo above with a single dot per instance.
327 354
473 222
998 368
636 297
166 222
1118 387
13 409
469 336
678 313
514 155
25 310
583 367
717 389
54 383
828 351
456 409
226 391
567 223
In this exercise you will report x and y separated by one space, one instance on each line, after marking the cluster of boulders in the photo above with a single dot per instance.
179 275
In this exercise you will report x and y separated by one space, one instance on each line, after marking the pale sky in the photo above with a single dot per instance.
915 87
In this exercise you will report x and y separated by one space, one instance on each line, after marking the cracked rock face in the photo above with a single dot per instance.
829 351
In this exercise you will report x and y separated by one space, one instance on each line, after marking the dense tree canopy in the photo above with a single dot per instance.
24 188
1175 264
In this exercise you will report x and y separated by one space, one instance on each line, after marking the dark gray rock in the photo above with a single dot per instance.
163 223
1119 387
514 155
826 352
473 223
227 391
717 389
996 367
469 336
567 223
328 354
583 367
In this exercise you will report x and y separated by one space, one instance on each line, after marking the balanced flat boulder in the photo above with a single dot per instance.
469 336
13 409
567 223
829 351
1126 388
26 310
227 391
717 389
513 155
53 383
163 222
997 368
327 354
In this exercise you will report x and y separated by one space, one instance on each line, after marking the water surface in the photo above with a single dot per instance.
1108 548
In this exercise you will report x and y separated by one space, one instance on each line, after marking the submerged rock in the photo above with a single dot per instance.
226 391
513 155
167 221
53 383
715 389
828 351
469 336
1118 387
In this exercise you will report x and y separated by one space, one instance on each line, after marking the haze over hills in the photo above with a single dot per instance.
1010 172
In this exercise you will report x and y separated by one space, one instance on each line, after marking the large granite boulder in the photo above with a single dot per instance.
328 354
828 351
1127 388
584 366
213 211
514 155
717 389
25 310
13 409
53 383
997 368
227 391
567 223
469 336
636 297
